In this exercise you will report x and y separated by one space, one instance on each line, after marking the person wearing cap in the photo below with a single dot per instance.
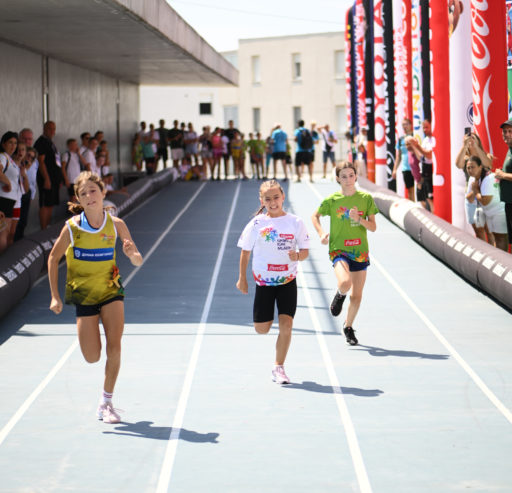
504 176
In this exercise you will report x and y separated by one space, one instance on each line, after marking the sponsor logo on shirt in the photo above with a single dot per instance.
287 236
277 267
94 254
355 242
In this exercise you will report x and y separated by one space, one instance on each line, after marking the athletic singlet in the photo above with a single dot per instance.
93 276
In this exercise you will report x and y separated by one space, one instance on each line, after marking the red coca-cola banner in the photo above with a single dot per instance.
348 49
360 31
440 84
489 62
407 40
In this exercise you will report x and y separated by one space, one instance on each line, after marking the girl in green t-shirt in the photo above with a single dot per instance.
352 213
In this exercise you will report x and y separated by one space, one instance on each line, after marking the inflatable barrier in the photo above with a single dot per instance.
488 268
25 260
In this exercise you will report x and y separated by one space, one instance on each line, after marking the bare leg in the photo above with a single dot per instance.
356 295
284 339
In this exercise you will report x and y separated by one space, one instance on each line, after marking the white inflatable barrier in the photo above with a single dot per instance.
488 268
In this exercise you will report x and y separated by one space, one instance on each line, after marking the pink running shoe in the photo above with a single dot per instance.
279 376
108 414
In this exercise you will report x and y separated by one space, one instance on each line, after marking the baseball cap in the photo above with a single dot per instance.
507 123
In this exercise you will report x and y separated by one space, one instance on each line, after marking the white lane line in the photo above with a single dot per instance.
472 374
350 432
172 444
33 396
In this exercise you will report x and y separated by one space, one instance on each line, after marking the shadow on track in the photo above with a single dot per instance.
144 429
328 389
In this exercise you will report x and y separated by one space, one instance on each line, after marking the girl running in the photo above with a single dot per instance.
93 283
352 212
278 241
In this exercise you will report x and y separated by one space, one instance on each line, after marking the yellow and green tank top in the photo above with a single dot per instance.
93 276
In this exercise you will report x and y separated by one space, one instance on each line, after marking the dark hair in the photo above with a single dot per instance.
8 136
83 135
80 181
69 141
344 165
483 170
301 123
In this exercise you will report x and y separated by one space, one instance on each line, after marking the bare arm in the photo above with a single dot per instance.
241 284
129 248
58 250
44 171
315 219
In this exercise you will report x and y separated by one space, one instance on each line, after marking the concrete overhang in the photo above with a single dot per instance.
139 41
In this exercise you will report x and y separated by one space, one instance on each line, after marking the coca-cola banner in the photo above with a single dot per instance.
489 54
461 101
387 22
407 40
353 72
440 86
400 60
348 63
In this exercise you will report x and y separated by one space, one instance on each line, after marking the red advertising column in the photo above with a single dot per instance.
407 40
359 31
440 87
348 44
489 61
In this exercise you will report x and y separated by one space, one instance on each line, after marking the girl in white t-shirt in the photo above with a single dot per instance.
481 187
278 241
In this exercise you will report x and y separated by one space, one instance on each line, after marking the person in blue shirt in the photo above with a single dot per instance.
402 157
303 150
279 138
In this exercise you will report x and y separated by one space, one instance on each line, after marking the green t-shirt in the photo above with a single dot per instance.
347 237
506 185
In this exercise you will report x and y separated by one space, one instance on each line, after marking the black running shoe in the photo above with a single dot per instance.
350 336
337 303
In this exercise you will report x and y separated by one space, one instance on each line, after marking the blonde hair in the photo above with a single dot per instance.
264 187
344 165
80 181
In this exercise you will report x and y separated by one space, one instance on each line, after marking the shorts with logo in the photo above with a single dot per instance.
91 310
266 297
353 266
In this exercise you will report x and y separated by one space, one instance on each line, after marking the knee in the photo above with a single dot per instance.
356 298
344 286
262 328
113 350
92 357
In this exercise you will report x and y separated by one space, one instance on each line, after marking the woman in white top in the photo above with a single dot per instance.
23 187
482 187
9 185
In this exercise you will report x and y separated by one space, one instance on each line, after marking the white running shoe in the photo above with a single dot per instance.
279 376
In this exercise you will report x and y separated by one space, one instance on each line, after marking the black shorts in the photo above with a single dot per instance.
92 310
508 215
48 197
279 155
426 191
7 206
266 297
353 266
408 179
303 157
162 152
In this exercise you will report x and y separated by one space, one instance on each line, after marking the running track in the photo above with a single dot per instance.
423 404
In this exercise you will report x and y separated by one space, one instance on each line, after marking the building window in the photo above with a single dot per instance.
297 115
256 118
339 62
205 108
230 113
255 65
296 67
341 119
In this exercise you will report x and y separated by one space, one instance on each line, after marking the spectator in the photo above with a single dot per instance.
49 173
237 149
99 136
423 151
162 142
352 151
23 187
402 159
303 151
316 138
89 157
148 153
206 152
84 138
504 175
481 187
269 149
225 154
72 165
328 142
256 151
153 135
190 139
217 151
137 158
142 129
175 136
472 146
361 156
9 189
30 164
279 140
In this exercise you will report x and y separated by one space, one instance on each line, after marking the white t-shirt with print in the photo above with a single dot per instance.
270 239
487 187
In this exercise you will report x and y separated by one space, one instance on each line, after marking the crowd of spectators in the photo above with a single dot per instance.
225 151
29 169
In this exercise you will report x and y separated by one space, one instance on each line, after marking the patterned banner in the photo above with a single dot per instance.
387 22
348 70
489 52
440 72
359 37
417 90
369 84
425 58
353 76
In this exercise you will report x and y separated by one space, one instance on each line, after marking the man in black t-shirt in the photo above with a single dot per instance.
162 142
49 174
230 133
175 137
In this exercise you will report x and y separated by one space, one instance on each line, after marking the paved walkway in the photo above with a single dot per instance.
423 404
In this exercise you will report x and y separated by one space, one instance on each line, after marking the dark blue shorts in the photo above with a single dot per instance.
92 310
353 266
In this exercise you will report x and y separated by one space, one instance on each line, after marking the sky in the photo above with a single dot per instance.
223 22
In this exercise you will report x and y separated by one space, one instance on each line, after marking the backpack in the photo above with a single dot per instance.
305 140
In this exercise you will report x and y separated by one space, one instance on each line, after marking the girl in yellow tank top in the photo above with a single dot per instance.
93 283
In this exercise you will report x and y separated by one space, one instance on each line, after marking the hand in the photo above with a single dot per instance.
354 214
242 286
294 255
393 175
7 187
324 239
56 305
498 174
475 186
129 248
